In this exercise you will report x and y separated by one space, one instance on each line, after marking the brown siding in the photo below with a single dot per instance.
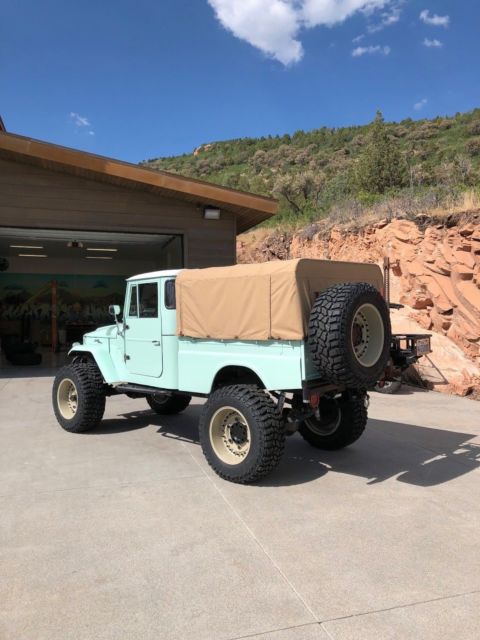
34 197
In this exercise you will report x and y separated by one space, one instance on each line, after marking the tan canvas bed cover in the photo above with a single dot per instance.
271 300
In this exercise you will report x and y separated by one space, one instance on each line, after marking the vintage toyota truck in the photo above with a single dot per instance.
274 348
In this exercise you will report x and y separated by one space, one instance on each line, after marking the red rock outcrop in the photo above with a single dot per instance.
436 272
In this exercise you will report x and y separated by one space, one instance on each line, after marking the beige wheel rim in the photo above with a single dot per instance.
67 398
229 435
368 335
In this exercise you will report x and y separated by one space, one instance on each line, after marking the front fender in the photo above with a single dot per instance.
102 357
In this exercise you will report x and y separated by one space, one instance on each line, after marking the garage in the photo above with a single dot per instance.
74 226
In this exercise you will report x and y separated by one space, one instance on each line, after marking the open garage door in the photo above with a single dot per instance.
55 285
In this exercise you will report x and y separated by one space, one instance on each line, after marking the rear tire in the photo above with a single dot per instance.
342 422
241 434
349 335
78 397
169 403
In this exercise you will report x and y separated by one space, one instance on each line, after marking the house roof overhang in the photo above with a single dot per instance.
250 209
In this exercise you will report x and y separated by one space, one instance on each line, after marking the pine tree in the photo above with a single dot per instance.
381 166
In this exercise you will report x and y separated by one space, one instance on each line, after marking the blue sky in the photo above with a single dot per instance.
144 78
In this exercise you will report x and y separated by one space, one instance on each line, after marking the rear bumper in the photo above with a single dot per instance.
405 350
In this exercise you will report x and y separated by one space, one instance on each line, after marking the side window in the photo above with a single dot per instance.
148 300
133 308
170 300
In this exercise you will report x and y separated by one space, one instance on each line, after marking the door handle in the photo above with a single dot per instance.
156 342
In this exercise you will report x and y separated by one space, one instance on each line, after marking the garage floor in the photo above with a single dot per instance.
126 533
50 362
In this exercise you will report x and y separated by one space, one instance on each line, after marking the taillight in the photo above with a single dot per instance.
314 400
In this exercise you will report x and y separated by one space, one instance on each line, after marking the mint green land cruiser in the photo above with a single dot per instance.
274 348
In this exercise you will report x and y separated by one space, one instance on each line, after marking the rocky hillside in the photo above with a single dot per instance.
312 171
436 275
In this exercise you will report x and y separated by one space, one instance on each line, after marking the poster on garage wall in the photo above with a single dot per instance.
81 298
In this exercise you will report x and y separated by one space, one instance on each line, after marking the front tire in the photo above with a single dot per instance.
342 422
169 403
241 434
78 397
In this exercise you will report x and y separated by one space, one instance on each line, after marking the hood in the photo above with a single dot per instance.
110 331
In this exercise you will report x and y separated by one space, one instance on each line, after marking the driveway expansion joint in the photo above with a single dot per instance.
269 631
258 543
400 606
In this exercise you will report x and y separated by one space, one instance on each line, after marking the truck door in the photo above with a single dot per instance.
143 331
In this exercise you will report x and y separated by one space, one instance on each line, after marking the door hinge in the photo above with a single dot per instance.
125 358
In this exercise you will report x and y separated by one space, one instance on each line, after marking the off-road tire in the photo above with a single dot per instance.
330 334
351 424
169 404
90 389
266 431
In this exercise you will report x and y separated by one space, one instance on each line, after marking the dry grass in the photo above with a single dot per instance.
424 209
429 207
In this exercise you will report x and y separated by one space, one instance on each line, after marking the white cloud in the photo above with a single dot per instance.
81 122
274 26
271 26
387 18
433 19
420 104
330 12
432 43
372 49
358 38
78 120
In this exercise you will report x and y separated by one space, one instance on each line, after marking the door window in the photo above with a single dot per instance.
170 302
148 300
133 308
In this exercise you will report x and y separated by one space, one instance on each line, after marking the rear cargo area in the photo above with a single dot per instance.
267 301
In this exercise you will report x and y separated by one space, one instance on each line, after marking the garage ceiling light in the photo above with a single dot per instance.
24 246
99 257
99 249
32 255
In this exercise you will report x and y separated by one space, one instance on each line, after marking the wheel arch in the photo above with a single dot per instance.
236 374
100 357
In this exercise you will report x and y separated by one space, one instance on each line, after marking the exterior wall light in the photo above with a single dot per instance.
211 213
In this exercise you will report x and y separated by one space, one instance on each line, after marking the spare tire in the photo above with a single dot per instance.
349 334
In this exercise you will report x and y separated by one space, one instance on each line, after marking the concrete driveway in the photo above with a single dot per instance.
126 533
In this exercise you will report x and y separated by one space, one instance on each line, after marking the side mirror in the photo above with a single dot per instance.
115 310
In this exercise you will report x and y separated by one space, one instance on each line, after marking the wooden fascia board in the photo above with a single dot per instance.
206 192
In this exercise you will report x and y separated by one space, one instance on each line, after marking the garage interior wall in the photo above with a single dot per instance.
83 272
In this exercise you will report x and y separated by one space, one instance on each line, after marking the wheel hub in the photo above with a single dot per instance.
238 433
360 335
328 420
367 335
229 435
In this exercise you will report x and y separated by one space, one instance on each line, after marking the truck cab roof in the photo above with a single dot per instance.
167 273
